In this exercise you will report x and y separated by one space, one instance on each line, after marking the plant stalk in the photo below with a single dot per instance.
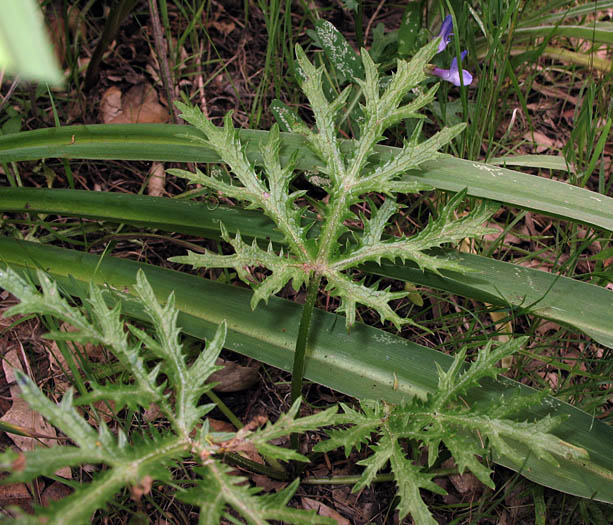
303 336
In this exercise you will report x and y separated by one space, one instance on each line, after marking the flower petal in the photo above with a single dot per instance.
453 73
445 33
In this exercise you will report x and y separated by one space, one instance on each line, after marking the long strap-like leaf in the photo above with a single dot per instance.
581 305
366 363
166 142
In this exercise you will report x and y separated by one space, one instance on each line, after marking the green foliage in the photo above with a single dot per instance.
357 177
24 44
468 432
160 373
352 178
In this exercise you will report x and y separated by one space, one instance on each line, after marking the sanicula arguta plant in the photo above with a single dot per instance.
352 179
443 418
158 372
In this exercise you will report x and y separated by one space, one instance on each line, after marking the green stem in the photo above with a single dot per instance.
276 465
239 461
303 336
380 478
224 409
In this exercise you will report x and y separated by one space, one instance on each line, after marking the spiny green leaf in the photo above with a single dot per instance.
44 461
463 451
67 419
410 479
360 431
351 178
352 293
443 418
218 489
283 269
188 385
122 395
459 379
48 301
140 460
288 423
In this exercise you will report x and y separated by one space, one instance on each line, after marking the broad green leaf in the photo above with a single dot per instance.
597 32
581 305
342 56
544 14
392 368
548 162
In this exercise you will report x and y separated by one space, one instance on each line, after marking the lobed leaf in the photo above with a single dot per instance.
217 489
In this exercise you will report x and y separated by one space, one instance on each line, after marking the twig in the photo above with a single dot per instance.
372 19
203 106
12 87
160 50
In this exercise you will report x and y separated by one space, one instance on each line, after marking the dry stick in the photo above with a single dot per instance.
12 87
160 50
372 19
203 106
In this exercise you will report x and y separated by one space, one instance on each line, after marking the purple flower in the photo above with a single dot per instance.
453 73
445 33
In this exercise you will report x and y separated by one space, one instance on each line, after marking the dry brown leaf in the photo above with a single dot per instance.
16 494
152 413
142 488
543 142
110 104
157 180
58 363
22 415
221 426
547 326
268 484
225 28
233 377
508 239
467 483
55 492
140 105
534 263
323 510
